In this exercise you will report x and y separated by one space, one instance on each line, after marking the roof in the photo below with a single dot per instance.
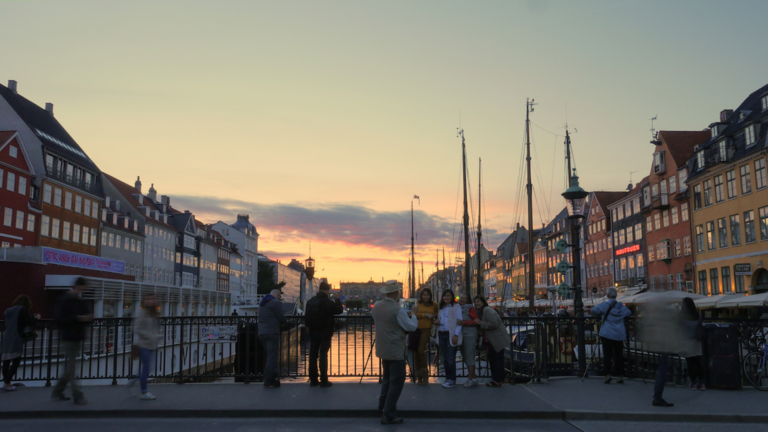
5 136
48 130
682 143
128 191
522 248
606 198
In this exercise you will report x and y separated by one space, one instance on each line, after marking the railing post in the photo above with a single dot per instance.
181 351
50 357
115 347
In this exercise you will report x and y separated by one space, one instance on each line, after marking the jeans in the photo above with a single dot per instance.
496 359
391 386
449 356
9 369
71 349
145 362
613 357
271 343
318 350
661 377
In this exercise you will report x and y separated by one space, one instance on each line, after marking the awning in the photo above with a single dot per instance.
745 301
715 301
60 282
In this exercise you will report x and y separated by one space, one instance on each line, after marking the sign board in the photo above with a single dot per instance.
74 259
626 250
742 269
218 334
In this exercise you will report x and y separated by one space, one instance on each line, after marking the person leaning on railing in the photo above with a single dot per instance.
612 334
271 320
18 321
495 339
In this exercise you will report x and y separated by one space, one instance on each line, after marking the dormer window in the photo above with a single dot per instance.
749 135
722 150
714 131
764 102
700 159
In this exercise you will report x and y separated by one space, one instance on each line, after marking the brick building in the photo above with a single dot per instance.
629 266
19 215
598 245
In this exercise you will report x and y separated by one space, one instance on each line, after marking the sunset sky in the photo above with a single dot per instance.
322 119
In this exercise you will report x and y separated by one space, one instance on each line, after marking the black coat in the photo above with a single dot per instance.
328 308
69 307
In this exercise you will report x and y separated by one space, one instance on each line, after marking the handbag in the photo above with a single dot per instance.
29 334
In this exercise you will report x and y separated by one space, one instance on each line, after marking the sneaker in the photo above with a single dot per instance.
470 383
692 386
608 379
326 384
662 403
620 380
390 421
147 396
449 384
9 389
702 387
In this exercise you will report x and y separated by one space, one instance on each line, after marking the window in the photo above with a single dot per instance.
749 135
710 235
103 238
657 221
646 196
639 259
730 180
719 188
631 266
76 233
620 211
2 176
614 212
738 282
714 282
697 197
94 236
57 197
19 219
654 191
86 235
10 184
638 231
683 174
650 254
749 226
707 193
735 231
55 223
678 248
45 226
111 239
118 241
760 176
763 213
699 238
22 185
703 283
680 282
622 237
700 156
623 268
95 210
662 250
764 102
675 216
47 193
68 200
630 237
30 222
673 184
8 217
665 218
13 151
670 282
636 205
722 233
78 204
663 185
87 207
65 231
746 183
648 224
684 212
687 245
725 272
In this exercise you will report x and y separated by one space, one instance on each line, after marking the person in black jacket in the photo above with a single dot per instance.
17 319
72 316
320 321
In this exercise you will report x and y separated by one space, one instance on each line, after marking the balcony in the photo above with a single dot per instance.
660 168
661 201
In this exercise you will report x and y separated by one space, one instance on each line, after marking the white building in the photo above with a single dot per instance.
243 234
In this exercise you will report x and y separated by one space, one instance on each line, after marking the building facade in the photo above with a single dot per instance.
243 234
598 246
20 214
627 230
369 292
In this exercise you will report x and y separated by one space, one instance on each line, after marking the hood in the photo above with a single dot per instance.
617 310
267 298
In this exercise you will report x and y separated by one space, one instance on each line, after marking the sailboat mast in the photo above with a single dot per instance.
479 231
529 188
467 278
568 153
413 258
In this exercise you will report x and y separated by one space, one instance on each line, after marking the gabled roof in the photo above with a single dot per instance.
127 192
606 198
5 139
522 248
681 143
45 126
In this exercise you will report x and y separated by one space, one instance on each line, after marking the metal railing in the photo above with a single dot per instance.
203 349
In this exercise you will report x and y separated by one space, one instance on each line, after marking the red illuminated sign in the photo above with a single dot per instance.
627 250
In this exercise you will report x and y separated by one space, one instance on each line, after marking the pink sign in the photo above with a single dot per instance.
74 259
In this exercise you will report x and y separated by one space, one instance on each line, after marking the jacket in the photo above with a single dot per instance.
454 316
468 327
146 330
424 322
68 308
271 315
391 322
16 319
494 329
613 327
327 309
689 345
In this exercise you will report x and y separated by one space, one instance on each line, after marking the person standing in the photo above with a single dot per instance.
469 334
321 323
425 311
72 316
391 322
17 319
146 333
271 320
449 335
613 333
495 337
690 344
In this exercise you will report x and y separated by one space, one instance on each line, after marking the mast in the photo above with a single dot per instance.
467 278
479 232
529 188
422 274
568 153
413 258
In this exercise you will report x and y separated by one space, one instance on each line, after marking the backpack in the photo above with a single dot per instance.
313 318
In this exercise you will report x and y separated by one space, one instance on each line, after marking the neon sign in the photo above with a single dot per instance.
626 250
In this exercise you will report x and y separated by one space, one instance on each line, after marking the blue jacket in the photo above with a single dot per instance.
270 315
613 326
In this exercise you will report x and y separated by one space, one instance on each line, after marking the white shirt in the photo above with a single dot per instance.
445 317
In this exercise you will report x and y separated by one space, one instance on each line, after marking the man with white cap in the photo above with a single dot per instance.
391 322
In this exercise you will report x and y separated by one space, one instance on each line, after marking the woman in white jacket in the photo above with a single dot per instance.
449 334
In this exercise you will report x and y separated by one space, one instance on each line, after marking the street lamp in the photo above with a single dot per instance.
575 198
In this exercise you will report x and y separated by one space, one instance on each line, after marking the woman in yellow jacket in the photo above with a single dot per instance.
426 311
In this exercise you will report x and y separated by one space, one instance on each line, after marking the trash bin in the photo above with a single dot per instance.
250 356
721 355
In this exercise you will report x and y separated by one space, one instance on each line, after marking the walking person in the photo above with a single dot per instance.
320 320
449 335
469 332
391 322
72 316
495 338
271 321
425 311
613 333
690 345
18 321
146 333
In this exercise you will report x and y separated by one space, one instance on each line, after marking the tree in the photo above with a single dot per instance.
266 279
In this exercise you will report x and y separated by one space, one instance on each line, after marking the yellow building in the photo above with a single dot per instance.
728 189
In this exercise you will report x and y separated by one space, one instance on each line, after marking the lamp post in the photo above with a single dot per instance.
575 198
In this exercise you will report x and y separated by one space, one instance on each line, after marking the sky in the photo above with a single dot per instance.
322 120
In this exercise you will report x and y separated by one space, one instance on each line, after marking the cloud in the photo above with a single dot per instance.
350 224
281 255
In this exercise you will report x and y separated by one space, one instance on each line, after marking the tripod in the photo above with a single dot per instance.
370 358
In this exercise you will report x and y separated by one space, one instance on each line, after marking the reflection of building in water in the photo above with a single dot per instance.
369 291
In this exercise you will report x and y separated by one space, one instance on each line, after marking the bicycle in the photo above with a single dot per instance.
756 366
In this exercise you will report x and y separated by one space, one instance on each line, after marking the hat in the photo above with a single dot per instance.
391 286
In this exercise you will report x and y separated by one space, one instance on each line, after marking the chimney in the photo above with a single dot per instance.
152 193
137 185
49 107
12 86
629 187
165 200
518 226
724 114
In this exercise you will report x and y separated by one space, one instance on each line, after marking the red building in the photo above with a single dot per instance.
19 216
598 247
667 224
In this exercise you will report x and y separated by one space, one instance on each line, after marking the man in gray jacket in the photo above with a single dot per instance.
271 318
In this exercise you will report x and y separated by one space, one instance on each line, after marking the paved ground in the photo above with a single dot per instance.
560 399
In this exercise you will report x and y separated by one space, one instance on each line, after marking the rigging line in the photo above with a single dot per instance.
547 130
552 177
537 170
519 191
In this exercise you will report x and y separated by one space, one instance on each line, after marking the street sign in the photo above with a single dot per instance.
563 289
742 269
218 334
562 267
561 246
